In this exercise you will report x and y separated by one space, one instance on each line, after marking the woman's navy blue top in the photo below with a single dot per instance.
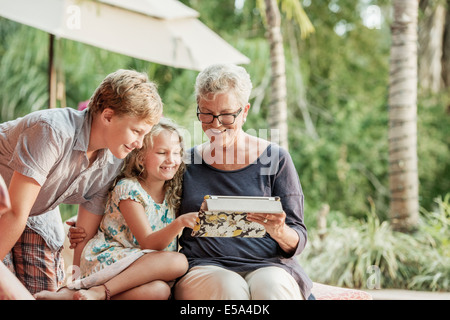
272 174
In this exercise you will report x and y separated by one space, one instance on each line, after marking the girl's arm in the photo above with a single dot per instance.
23 192
136 219
89 222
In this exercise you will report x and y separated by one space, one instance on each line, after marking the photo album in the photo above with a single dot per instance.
226 216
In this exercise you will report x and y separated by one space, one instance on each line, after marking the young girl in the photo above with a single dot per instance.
133 255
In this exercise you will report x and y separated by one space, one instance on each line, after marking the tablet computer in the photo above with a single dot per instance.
226 216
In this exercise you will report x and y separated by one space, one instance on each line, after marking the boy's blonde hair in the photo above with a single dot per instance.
128 92
134 167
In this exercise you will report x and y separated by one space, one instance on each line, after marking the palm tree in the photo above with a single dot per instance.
278 106
431 45
403 175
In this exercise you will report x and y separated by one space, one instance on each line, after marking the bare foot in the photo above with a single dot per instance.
94 293
62 294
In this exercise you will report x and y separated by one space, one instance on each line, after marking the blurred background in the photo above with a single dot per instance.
337 55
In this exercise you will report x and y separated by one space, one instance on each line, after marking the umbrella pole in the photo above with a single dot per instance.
51 74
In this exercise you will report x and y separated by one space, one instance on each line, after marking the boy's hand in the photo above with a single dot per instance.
76 234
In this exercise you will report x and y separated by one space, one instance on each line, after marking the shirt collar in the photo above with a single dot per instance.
82 139
105 155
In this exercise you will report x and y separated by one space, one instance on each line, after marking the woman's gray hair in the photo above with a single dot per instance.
223 78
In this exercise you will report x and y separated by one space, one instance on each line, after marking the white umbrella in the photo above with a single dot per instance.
162 31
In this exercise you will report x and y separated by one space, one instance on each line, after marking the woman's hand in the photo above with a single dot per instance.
76 234
273 223
276 227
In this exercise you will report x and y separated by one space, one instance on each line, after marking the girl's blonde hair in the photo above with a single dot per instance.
134 168
128 92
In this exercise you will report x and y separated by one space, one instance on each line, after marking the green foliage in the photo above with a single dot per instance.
341 157
68 211
435 225
433 147
221 15
435 230
346 90
23 76
368 254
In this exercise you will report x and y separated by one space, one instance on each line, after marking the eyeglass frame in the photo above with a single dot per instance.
235 115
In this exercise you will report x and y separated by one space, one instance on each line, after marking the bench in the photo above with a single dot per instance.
319 290
327 292
12 289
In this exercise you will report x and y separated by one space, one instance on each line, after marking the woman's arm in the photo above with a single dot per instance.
288 228
23 192
136 219
89 222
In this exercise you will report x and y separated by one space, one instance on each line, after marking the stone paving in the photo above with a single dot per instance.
394 294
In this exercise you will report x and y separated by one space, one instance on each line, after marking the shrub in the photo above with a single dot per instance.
369 254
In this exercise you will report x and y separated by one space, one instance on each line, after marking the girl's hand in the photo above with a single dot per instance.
188 219
76 234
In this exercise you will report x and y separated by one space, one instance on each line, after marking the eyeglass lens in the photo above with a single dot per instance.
223 118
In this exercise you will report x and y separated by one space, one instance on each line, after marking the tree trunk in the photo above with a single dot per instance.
431 36
446 51
278 104
403 174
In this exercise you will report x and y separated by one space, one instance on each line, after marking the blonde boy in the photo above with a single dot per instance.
59 156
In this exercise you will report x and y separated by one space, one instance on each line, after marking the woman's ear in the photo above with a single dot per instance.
245 113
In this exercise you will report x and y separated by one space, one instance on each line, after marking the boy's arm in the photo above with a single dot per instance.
5 203
90 223
23 192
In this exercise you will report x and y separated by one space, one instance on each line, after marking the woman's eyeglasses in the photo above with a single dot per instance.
224 118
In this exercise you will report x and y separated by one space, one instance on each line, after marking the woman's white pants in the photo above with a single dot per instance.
216 283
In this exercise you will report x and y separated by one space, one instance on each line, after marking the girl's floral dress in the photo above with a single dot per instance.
114 247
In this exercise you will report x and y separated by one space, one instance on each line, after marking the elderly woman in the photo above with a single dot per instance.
235 163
